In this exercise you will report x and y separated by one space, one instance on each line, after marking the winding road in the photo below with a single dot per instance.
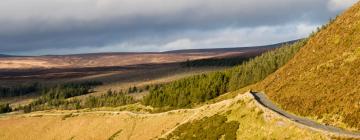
263 100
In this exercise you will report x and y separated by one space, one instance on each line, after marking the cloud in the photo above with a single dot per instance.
42 26
228 37
179 44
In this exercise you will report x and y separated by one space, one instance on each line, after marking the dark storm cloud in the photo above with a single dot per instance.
68 24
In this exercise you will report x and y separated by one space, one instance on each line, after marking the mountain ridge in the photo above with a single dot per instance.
273 45
125 58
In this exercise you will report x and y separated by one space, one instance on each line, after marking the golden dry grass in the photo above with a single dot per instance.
86 124
322 80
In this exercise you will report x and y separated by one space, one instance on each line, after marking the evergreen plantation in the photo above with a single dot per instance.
59 97
110 99
19 90
196 89
56 96
230 61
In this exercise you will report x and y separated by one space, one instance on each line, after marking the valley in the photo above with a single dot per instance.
301 89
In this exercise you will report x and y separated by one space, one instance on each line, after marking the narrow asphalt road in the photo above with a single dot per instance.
262 99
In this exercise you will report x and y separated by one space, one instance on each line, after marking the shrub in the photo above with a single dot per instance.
5 108
208 128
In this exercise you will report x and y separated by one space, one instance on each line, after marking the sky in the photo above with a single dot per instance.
42 27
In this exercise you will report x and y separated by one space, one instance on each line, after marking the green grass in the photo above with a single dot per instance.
209 128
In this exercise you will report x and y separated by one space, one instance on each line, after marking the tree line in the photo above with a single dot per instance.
229 61
200 88
110 99
18 90
55 97
185 92
67 90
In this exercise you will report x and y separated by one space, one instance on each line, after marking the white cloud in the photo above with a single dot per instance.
305 29
178 44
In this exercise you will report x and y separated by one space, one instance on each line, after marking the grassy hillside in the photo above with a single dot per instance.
322 80
240 115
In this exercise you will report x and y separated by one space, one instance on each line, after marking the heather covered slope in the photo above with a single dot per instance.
322 80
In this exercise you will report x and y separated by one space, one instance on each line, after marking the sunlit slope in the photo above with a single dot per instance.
248 122
323 79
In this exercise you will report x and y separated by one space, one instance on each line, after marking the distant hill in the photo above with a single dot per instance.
322 80
125 58
230 49
3 55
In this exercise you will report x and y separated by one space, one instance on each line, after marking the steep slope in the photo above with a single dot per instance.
322 80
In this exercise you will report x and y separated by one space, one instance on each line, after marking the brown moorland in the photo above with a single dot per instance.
121 59
82 65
